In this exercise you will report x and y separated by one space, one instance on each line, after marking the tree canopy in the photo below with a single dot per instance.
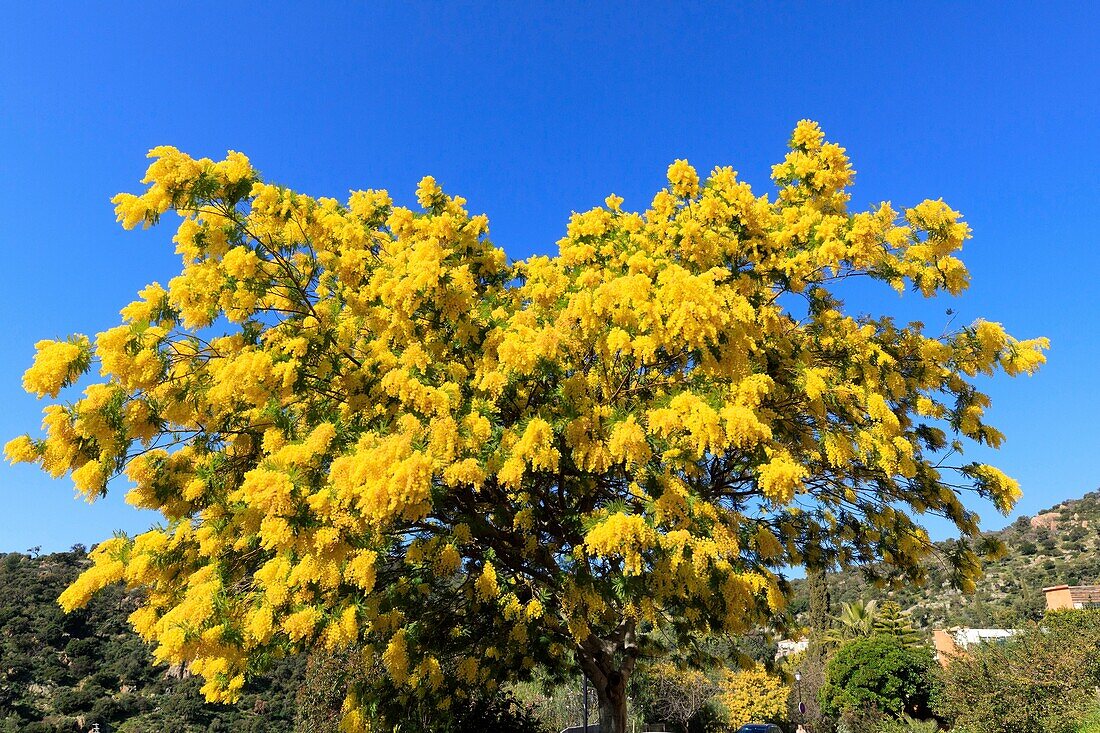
878 672
363 423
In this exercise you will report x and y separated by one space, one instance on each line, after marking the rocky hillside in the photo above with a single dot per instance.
64 672
1059 545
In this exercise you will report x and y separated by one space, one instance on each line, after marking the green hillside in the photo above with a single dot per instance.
1059 545
63 672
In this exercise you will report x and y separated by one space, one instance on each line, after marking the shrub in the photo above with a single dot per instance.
752 695
878 672
1041 681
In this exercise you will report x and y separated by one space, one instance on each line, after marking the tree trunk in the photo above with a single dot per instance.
608 663
612 698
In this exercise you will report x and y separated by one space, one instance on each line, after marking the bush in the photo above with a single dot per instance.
879 672
752 695
1041 681
1091 723
872 720
906 724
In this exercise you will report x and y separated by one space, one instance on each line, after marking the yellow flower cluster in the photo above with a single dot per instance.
56 364
781 477
487 586
752 694
621 535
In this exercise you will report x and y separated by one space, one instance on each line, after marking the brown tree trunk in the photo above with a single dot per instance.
608 663
612 698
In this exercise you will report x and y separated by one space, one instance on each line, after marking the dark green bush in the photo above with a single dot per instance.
879 672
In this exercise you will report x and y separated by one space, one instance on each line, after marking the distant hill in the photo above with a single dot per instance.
63 672
1059 545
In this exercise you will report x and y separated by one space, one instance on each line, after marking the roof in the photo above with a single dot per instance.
1079 594
967 637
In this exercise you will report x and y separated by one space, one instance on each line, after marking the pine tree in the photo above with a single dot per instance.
893 621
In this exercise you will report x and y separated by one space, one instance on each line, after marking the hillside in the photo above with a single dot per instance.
62 672
1059 545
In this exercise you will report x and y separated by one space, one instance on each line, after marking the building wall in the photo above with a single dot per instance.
951 643
1059 598
946 648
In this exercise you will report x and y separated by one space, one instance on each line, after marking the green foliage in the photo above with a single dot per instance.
819 602
1091 723
810 665
856 620
867 719
907 724
878 672
331 674
321 696
501 712
58 668
559 703
1040 681
892 621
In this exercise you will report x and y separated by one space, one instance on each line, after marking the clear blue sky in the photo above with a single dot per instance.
534 110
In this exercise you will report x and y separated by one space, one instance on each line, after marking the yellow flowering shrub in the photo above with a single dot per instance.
751 696
365 425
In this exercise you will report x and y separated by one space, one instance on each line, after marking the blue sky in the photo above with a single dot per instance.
534 110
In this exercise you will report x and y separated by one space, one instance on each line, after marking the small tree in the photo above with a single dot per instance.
677 695
752 695
879 672
364 424
892 621
810 664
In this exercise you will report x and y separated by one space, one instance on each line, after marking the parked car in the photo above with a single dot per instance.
759 728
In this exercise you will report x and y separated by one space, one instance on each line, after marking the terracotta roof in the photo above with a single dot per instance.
1089 594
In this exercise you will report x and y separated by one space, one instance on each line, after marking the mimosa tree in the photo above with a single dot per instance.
364 424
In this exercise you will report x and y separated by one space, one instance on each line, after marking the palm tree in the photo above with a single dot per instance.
857 619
